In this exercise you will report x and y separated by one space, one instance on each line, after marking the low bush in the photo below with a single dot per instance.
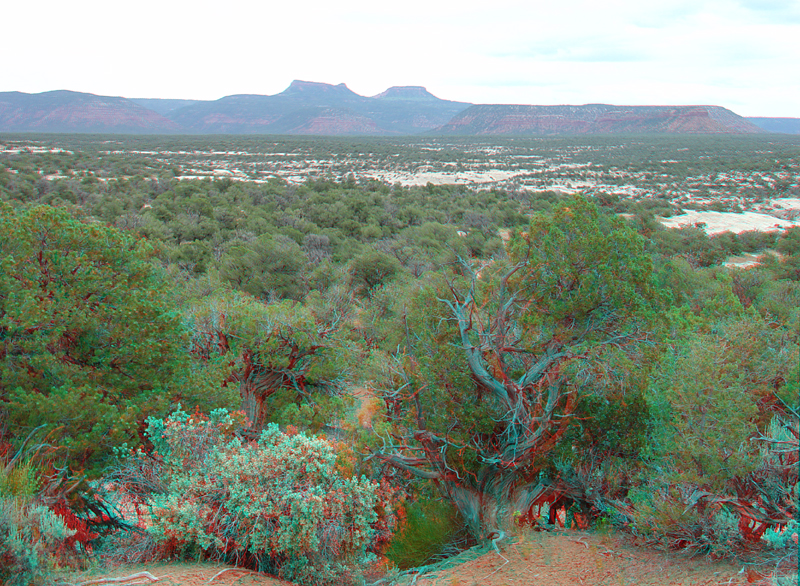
278 504
31 541
39 530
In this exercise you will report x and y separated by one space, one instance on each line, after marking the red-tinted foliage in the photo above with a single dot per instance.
82 527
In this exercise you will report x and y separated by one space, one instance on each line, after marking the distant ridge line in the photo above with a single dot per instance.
315 108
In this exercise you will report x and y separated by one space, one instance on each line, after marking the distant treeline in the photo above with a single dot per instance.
284 240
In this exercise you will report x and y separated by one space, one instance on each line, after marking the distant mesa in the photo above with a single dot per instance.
320 94
308 107
779 125
519 120
67 111
317 87
406 92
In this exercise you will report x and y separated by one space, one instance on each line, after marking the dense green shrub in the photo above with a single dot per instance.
279 504
89 343
723 461
690 242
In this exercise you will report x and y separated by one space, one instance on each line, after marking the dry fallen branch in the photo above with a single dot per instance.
124 579
499 536
218 574
580 541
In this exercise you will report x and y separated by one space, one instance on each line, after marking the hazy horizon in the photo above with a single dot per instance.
738 54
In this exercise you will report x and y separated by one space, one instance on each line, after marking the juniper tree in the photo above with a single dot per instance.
89 342
496 361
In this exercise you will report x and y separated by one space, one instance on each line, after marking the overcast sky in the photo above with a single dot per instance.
740 54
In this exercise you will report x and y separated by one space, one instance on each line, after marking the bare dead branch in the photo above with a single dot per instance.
138 576
218 574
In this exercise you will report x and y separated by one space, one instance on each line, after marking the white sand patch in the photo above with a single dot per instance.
719 222
444 178
749 259
784 204
32 150
744 261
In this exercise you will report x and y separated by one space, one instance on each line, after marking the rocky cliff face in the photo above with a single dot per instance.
65 111
595 119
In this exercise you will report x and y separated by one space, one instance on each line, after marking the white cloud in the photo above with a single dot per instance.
736 53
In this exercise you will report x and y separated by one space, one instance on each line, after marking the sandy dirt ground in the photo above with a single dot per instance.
580 558
469 178
173 574
537 559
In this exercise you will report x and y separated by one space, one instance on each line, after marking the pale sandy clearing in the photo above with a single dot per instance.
787 203
445 178
719 222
